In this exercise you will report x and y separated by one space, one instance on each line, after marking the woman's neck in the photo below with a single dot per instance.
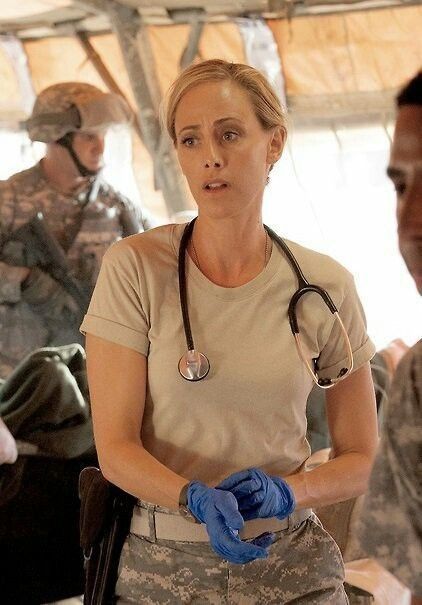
230 253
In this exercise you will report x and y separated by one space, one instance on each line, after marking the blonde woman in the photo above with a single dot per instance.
213 441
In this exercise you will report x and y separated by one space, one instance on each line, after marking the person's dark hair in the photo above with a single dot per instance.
411 94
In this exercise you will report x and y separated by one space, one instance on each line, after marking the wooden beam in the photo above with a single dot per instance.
191 50
105 74
141 70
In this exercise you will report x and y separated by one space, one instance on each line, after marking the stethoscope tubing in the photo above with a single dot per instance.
194 359
187 233
303 285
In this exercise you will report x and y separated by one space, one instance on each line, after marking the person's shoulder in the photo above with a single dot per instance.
108 192
404 403
411 365
416 351
22 184
147 246
318 266
21 179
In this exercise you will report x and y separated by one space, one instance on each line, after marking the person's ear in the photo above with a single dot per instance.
276 144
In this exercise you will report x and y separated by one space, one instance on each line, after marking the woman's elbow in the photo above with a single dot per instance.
365 463
113 456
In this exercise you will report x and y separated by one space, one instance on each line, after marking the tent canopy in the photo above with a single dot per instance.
55 14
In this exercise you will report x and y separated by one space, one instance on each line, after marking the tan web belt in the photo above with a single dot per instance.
157 525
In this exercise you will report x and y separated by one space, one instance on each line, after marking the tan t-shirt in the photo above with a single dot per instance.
250 409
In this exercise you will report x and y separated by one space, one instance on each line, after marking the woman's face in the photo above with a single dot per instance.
223 150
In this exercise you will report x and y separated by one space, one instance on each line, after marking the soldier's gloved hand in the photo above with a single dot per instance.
260 496
218 510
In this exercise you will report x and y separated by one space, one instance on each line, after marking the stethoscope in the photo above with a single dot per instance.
194 365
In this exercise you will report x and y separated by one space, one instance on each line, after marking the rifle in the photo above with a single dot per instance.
33 245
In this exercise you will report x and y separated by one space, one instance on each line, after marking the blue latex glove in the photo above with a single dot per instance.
260 496
219 511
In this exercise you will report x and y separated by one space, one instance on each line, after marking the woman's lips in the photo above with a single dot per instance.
215 186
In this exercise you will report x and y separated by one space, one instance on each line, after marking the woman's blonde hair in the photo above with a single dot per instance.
266 104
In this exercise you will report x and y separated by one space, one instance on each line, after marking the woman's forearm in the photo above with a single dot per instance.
351 415
338 479
136 471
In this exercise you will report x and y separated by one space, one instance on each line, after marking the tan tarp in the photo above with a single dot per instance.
344 53
168 42
57 59
54 60
349 53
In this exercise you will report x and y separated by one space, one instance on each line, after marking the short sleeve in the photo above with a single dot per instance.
333 356
116 311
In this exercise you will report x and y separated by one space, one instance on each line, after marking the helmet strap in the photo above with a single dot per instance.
67 142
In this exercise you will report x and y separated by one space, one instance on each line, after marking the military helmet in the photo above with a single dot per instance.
72 106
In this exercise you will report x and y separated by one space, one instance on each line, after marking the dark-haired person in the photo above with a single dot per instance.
391 524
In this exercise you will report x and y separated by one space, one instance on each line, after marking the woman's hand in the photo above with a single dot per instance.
260 496
218 509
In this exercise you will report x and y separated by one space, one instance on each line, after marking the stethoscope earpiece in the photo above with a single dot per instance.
194 365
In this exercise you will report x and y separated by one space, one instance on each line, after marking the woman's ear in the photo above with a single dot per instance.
276 144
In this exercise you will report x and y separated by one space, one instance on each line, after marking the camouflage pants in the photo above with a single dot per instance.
304 566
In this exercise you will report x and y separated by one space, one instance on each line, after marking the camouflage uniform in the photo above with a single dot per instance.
391 523
304 566
43 313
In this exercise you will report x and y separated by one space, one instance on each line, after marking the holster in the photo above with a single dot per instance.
106 513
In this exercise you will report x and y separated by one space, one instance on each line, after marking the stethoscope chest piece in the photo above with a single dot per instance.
194 365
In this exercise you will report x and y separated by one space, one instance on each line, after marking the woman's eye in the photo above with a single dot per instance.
229 136
188 141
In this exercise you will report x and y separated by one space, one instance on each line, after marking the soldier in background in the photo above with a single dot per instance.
391 524
82 212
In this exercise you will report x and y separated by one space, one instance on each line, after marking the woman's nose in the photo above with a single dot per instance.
212 158
215 163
